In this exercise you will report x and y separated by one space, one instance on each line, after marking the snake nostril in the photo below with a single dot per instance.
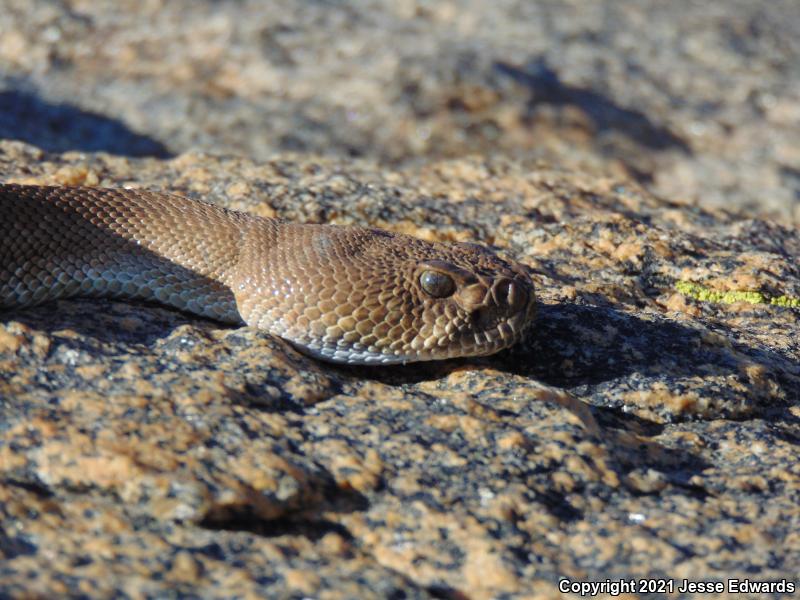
516 296
500 291
510 294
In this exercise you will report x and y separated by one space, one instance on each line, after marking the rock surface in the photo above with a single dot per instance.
649 426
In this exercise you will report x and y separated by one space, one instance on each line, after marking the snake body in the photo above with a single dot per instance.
340 293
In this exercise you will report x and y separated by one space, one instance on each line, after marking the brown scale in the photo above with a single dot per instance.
344 294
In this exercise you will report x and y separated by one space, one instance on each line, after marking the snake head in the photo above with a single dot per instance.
478 303
367 296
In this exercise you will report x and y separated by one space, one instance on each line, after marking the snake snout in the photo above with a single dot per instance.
502 300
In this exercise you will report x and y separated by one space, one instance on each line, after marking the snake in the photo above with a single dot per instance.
340 293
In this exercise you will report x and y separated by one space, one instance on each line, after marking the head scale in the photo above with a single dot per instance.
364 296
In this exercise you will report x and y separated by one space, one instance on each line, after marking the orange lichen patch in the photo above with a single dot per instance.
742 280
446 423
430 235
513 440
310 390
350 470
679 217
563 481
41 345
91 403
238 188
569 293
756 373
146 388
662 249
714 339
484 411
549 245
9 342
514 221
62 465
15 336
185 567
243 197
646 481
197 174
576 409
68 334
302 581
335 544
130 371
11 458
679 303
606 242
75 175
90 371
661 396
630 251
485 569
389 396
761 381
262 209
405 483
463 171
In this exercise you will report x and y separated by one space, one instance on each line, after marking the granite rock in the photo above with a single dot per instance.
639 156
647 427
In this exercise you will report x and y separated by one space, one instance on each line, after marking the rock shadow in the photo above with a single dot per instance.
575 345
546 87
602 351
306 521
61 127
104 320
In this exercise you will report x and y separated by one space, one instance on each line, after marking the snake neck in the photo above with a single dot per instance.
128 244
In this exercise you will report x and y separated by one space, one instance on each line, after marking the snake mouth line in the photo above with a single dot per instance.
502 332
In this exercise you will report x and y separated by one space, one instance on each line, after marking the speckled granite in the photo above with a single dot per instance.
648 428
640 431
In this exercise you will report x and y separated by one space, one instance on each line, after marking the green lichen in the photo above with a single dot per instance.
787 301
704 294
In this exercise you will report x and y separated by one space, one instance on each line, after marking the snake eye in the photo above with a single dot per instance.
438 285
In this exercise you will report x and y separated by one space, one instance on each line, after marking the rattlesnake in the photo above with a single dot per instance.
340 293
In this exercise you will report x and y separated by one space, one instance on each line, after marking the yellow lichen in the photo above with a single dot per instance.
705 294
787 301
